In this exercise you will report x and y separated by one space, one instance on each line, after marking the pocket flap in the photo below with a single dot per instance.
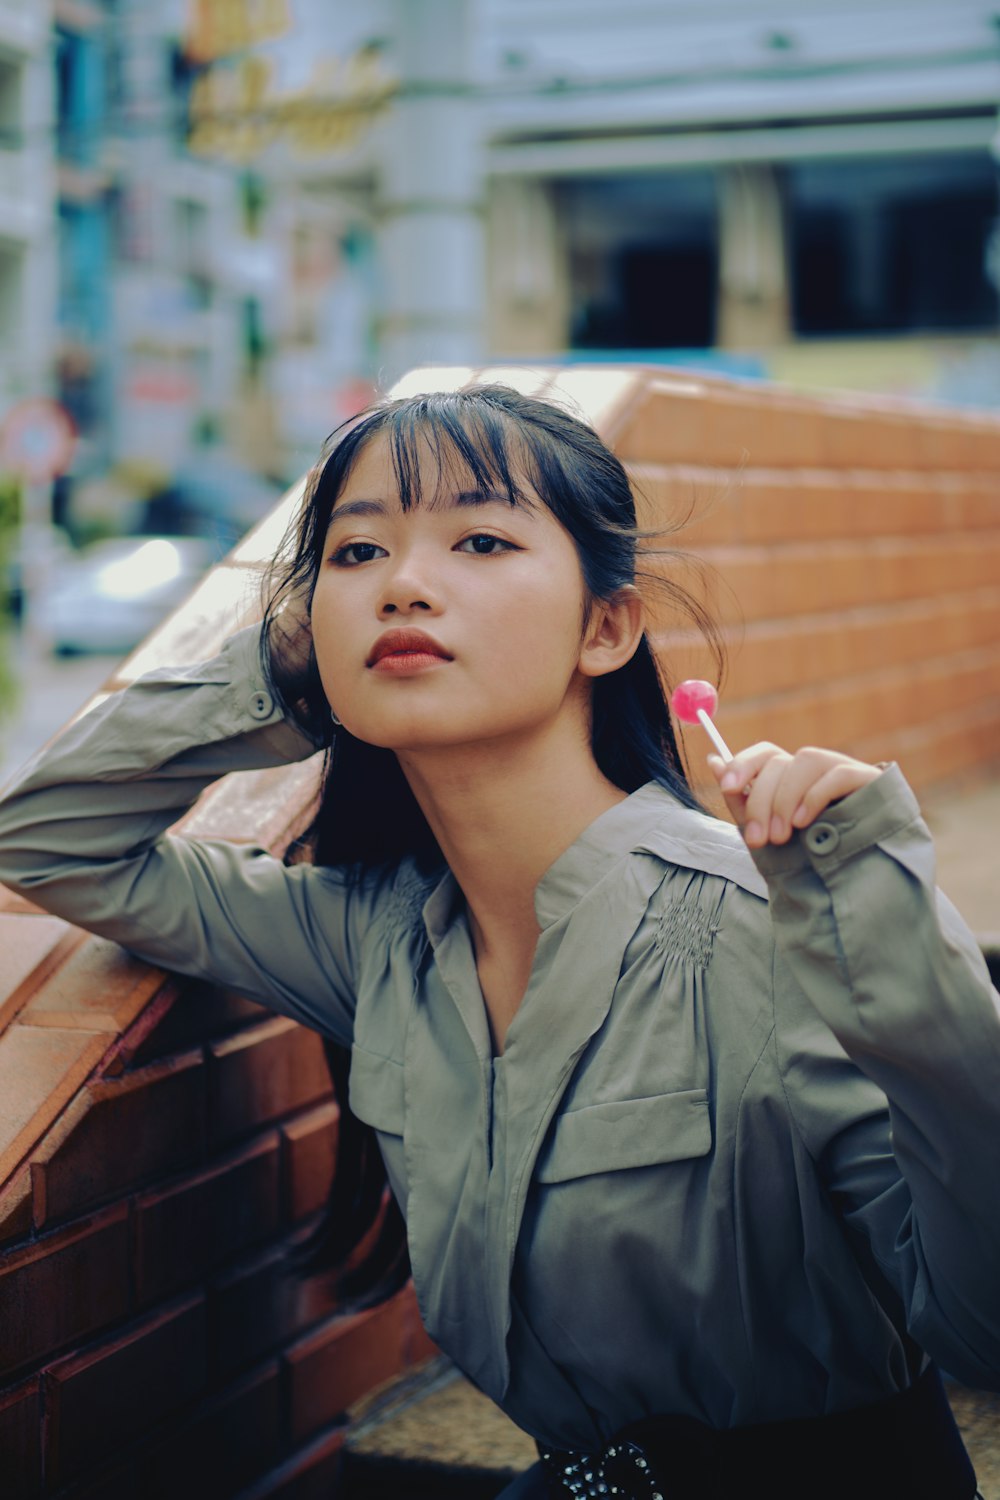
376 1091
627 1133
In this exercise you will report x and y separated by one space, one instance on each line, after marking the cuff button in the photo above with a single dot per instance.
261 705
822 838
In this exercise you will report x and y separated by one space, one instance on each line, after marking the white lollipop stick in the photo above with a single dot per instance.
709 727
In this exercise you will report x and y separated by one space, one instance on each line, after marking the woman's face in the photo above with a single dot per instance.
493 591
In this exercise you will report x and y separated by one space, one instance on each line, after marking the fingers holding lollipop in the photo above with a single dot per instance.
769 791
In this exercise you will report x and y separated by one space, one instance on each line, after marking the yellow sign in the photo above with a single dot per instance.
236 112
218 28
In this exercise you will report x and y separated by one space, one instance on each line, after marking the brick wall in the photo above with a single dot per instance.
852 558
152 1342
162 1143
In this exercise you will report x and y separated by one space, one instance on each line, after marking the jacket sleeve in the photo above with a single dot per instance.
83 833
868 949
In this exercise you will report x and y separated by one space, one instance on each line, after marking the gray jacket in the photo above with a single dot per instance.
735 1162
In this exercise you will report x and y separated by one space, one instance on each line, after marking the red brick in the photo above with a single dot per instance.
668 424
342 1361
123 1052
867 707
753 583
936 751
41 1068
63 1287
265 808
100 987
310 1156
198 1013
15 1208
20 1441
187 1229
745 428
770 657
233 1438
126 1384
263 1073
121 1133
261 1304
30 948
310 1474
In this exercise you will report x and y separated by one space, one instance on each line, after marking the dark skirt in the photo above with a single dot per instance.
906 1447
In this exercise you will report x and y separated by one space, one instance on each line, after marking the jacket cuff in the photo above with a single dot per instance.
861 820
250 701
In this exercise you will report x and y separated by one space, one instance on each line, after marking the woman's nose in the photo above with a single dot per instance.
408 587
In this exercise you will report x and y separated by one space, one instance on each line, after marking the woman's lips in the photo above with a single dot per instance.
408 661
406 651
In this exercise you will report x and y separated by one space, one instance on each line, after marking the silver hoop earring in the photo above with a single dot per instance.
337 723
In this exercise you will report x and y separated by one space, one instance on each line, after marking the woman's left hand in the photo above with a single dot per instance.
771 793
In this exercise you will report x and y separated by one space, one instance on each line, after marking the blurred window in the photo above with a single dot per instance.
80 97
643 260
884 245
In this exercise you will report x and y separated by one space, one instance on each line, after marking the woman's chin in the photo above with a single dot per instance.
426 735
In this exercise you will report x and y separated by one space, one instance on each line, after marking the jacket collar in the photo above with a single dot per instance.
650 821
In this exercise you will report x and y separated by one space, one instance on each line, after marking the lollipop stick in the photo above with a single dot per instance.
714 735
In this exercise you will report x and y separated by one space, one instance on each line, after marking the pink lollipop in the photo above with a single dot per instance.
694 702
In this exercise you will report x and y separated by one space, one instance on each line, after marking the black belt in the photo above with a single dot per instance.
904 1448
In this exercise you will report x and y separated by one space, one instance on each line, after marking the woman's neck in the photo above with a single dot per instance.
502 813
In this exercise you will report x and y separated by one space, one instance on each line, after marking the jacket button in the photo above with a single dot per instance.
822 838
261 705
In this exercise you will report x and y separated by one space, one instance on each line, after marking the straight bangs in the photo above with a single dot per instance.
485 448
473 449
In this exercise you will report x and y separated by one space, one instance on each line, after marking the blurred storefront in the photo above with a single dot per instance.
812 188
248 215
782 190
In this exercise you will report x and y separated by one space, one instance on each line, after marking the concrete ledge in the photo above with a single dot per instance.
432 1436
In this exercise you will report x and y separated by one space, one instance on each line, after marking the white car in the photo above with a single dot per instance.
109 596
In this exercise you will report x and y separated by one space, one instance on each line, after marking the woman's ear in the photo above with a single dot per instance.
613 632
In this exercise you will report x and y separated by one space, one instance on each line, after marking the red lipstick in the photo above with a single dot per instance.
405 651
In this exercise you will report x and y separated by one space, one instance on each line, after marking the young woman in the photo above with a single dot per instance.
693 1128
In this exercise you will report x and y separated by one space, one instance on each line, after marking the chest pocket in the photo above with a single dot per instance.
376 1091
627 1133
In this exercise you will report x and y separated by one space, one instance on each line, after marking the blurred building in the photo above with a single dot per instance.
239 217
159 278
807 185
191 274
789 189
27 200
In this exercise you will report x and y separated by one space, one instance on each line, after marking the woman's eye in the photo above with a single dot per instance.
485 545
353 553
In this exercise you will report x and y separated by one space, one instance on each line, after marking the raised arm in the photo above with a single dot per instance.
83 834
868 948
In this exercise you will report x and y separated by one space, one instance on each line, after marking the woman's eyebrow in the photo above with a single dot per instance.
512 498
458 498
359 508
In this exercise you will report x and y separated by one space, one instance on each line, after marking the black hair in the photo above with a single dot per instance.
525 448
